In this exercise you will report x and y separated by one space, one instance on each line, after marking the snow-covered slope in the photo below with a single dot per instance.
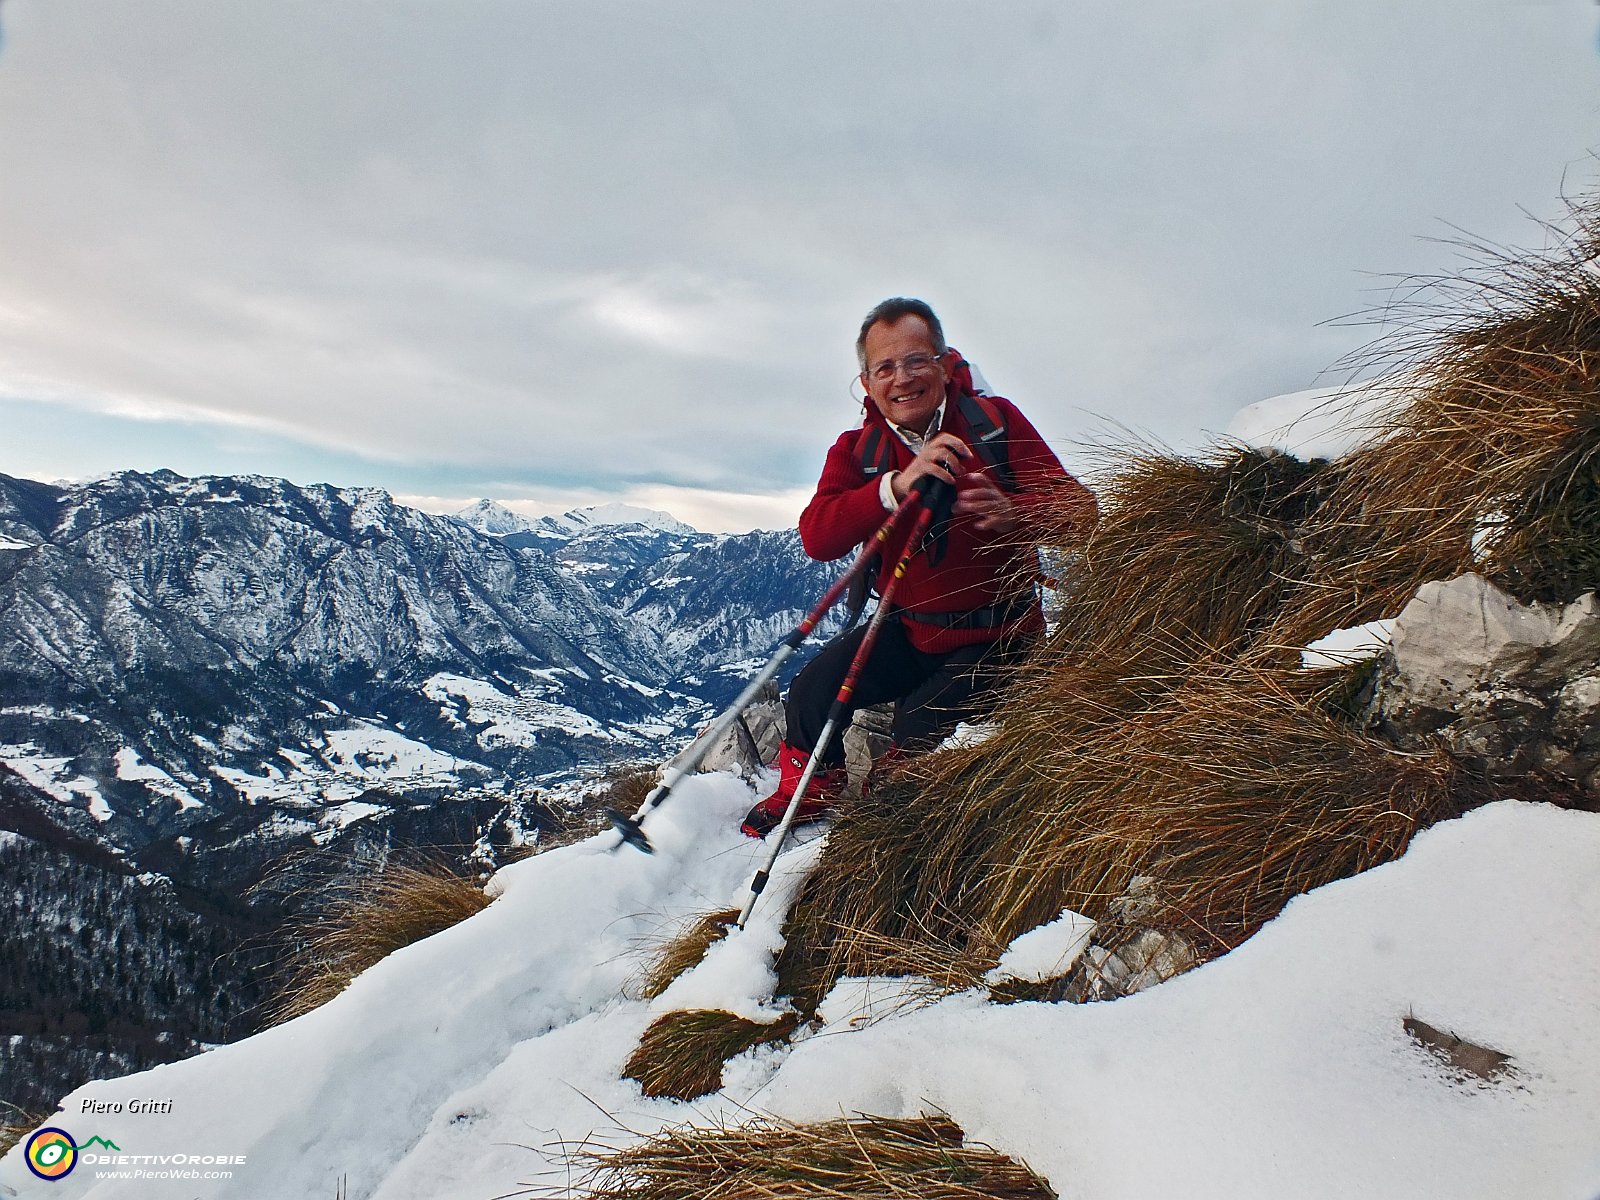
494 519
454 1067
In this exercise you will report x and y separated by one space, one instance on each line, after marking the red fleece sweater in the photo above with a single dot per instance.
978 569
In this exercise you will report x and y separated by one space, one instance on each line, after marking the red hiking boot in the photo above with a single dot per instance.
827 785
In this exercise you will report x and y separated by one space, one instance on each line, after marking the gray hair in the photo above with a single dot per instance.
890 311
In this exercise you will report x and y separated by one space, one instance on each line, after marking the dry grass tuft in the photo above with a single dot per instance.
869 1158
370 918
685 950
626 787
1190 560
1236 793
16 1124
1500 428
682 1054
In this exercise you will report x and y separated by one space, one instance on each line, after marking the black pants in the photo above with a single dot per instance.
934 692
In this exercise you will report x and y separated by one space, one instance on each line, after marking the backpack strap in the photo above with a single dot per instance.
874 455
988 438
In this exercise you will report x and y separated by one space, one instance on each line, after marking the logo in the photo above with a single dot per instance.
51 1154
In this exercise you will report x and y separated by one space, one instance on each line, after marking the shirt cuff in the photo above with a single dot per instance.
886 491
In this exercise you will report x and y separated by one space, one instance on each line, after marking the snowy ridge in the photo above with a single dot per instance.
1280 1069
490 517
580 520
493 519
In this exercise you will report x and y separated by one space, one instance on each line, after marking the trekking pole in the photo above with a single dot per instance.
934 490
683 764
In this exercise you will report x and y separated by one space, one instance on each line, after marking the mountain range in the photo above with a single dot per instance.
208 683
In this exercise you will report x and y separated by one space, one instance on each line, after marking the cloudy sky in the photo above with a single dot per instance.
559 253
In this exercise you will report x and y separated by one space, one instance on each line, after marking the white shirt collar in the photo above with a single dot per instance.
913 437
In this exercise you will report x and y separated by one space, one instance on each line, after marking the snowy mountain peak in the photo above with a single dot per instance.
579 520
494 519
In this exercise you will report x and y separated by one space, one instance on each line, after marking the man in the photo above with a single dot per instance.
966 609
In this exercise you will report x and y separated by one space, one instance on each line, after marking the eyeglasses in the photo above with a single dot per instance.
912 364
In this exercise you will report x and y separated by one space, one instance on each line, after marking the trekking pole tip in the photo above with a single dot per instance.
629 830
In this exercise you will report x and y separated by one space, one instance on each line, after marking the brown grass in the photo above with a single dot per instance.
1236 793
1192 558
16 1124
625 788
369 919
682 1053
685 950
1240 793
1502 418
869 1158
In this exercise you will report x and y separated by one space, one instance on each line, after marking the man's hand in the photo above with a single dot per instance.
940 457
978 495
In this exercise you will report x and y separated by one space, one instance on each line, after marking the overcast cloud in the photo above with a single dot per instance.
561 253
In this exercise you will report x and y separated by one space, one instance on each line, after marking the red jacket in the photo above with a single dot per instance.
977 569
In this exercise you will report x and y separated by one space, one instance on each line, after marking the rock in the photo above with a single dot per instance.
1514 687
1459 632
1461 1056
753 741
1148 957
1131 952
864 741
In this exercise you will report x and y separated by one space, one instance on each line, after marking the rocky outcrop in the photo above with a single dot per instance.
754 740
1513 688
1132 948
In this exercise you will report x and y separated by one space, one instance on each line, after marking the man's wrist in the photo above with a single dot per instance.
886 495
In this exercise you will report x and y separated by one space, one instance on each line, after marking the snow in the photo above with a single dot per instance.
336 818
1280 1069
523 719
634 686
134 769
380 754
351 761
11 543
1345 646
1318 423
1045 952
577 520
1488 531
56 779
737 974
863 1000
43 712
974 734
491 517
494 519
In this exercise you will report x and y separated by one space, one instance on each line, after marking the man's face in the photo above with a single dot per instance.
904 396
